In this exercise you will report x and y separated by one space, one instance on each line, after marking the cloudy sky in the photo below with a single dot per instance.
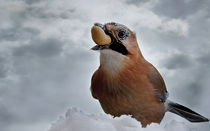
46 63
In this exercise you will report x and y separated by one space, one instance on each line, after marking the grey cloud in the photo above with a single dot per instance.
138 2
42 48
3 70
18 33
5 117
180 8
177 61
31 1
204 59
47 14
192 88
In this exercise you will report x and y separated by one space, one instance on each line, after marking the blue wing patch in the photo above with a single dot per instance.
162 99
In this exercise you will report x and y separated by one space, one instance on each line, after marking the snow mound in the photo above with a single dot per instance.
76 120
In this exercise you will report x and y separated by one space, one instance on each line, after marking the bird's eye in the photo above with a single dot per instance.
121 34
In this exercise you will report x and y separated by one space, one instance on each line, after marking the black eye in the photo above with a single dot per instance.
122 34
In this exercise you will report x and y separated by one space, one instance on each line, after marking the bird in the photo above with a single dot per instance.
125 83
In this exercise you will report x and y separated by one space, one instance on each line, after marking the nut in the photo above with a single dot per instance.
99 36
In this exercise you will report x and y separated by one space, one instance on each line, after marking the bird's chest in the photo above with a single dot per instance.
115 97
115 105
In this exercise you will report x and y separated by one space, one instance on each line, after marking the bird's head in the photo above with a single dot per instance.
117 45
115 37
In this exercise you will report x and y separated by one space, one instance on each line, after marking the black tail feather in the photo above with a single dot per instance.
186 113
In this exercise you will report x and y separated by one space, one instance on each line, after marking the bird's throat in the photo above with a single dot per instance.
111 61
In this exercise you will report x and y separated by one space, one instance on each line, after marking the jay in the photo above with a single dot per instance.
127 84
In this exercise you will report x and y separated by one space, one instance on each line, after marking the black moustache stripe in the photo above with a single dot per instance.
119 48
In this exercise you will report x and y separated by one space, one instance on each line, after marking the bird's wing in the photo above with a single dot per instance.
158 84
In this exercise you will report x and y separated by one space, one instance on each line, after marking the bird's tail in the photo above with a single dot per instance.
185 112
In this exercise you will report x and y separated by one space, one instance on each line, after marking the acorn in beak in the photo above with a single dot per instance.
99 36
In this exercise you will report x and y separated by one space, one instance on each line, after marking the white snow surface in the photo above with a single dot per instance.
77 120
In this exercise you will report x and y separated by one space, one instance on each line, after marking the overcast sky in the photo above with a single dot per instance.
46 63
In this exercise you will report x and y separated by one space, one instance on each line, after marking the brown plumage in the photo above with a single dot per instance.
125 83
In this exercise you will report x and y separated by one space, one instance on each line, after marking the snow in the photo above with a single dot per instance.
77 120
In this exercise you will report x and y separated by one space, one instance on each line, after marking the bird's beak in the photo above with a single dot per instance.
101 37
